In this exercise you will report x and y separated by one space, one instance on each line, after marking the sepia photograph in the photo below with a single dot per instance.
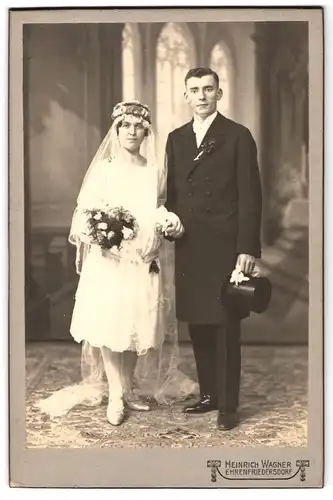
167 291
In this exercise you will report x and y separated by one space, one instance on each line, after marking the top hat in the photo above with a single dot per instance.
249 296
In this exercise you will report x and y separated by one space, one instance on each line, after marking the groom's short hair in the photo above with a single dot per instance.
200 72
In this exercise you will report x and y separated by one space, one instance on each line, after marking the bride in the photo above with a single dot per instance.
124 306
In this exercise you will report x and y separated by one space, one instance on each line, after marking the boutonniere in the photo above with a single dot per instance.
206 148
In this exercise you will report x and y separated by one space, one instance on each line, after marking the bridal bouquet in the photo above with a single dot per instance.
110 226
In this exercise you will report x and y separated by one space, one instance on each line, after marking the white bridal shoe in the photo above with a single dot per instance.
115 412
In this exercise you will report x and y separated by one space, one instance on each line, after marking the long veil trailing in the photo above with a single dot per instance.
157 374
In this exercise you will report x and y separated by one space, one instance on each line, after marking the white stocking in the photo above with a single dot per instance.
112 364
128 364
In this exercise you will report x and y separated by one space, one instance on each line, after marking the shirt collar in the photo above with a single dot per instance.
206 123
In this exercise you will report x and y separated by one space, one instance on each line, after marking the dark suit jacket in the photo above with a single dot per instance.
218 199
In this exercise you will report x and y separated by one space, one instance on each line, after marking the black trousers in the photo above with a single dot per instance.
217 353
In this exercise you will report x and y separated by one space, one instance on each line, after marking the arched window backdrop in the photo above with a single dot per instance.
221 62
175 55
131 62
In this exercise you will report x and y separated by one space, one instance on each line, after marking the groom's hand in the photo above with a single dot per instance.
175 229
246 263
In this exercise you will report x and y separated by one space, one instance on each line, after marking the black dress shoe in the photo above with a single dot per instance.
226 420
206 403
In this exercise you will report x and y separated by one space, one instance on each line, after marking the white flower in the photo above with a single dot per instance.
102 225
98 216
113 212
237 276
103 232
127 233
110 234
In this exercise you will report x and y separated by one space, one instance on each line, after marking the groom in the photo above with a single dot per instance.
214 187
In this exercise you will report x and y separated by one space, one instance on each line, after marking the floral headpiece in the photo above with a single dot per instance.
133 108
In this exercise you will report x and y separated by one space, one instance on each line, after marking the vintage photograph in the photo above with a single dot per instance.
167 233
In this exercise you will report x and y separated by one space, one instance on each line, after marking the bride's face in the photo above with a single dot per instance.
131 133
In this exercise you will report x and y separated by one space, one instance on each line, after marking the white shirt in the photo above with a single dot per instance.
200 128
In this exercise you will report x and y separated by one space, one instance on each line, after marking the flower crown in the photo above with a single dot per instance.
134 108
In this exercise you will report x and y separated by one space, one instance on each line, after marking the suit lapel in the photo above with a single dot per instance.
214 138
189 142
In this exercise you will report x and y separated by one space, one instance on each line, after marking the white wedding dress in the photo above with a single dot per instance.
118 301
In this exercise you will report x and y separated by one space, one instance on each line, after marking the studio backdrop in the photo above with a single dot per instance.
73 76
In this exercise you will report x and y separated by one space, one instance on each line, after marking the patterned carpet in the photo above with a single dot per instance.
273 407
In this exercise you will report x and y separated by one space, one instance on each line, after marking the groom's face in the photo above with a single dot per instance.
202 94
